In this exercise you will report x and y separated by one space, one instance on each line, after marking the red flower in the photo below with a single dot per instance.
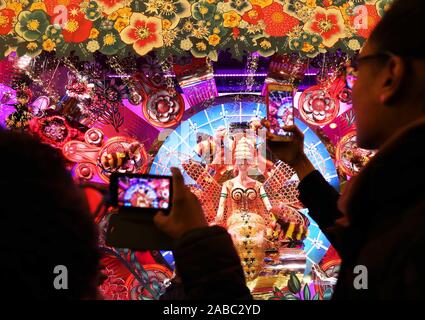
77 28
329 23
278 23
6 20
51 4
236 33
254 15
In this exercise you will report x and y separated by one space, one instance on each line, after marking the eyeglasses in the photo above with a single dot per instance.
351 71
355 62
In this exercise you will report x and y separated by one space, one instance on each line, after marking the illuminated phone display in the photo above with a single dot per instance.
280 107
144 192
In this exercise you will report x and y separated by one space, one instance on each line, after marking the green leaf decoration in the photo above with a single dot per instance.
307 293
294 284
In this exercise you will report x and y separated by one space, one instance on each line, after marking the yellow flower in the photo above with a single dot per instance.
311 3
216 30
166 24
231 19
188 26
265 44
201 46
121 23
113 16
203 10
93 46
94 33
186 44
261 3
307 47
32 46
15 6
124 12
38 6
109 39
49 45
214 40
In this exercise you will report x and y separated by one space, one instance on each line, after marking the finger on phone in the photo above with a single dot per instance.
160 219
293 129
179 187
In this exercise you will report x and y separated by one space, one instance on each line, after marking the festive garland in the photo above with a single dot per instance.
119 27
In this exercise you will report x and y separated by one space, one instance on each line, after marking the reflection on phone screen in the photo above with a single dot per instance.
149 193
280 110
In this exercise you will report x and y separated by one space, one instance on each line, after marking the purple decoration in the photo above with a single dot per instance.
7 101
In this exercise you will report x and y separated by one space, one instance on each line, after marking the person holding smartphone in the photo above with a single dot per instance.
377 224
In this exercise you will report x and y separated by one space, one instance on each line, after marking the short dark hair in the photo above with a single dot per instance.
45 222
400 30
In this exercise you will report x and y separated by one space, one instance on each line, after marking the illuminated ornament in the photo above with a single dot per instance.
39 106
79 88
317 107
350 158
345 95
54 130
134 98
163 109
94 156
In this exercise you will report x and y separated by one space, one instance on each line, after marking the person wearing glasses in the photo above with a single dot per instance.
377 225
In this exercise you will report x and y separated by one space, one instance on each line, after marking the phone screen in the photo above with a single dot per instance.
147 192
280 108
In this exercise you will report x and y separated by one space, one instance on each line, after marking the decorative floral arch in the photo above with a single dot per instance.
204 27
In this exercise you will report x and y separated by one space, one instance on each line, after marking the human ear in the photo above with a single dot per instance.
392 80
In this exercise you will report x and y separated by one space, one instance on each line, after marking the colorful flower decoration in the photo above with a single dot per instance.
254 15
109 6
54 130
278 23
94 156
144 33
79 88
310 44
328 23
163 109
201 27
32 25
317 107
170 10
6 20
261 3
77 28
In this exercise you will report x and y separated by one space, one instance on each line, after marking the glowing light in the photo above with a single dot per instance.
23 62
333 125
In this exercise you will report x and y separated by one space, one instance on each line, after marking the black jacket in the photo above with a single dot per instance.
386 212
209 266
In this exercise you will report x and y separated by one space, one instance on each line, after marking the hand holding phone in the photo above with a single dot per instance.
138 198
153 210
280 108
186 213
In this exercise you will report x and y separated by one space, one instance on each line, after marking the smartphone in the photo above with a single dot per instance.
141 192
280 108
138 198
